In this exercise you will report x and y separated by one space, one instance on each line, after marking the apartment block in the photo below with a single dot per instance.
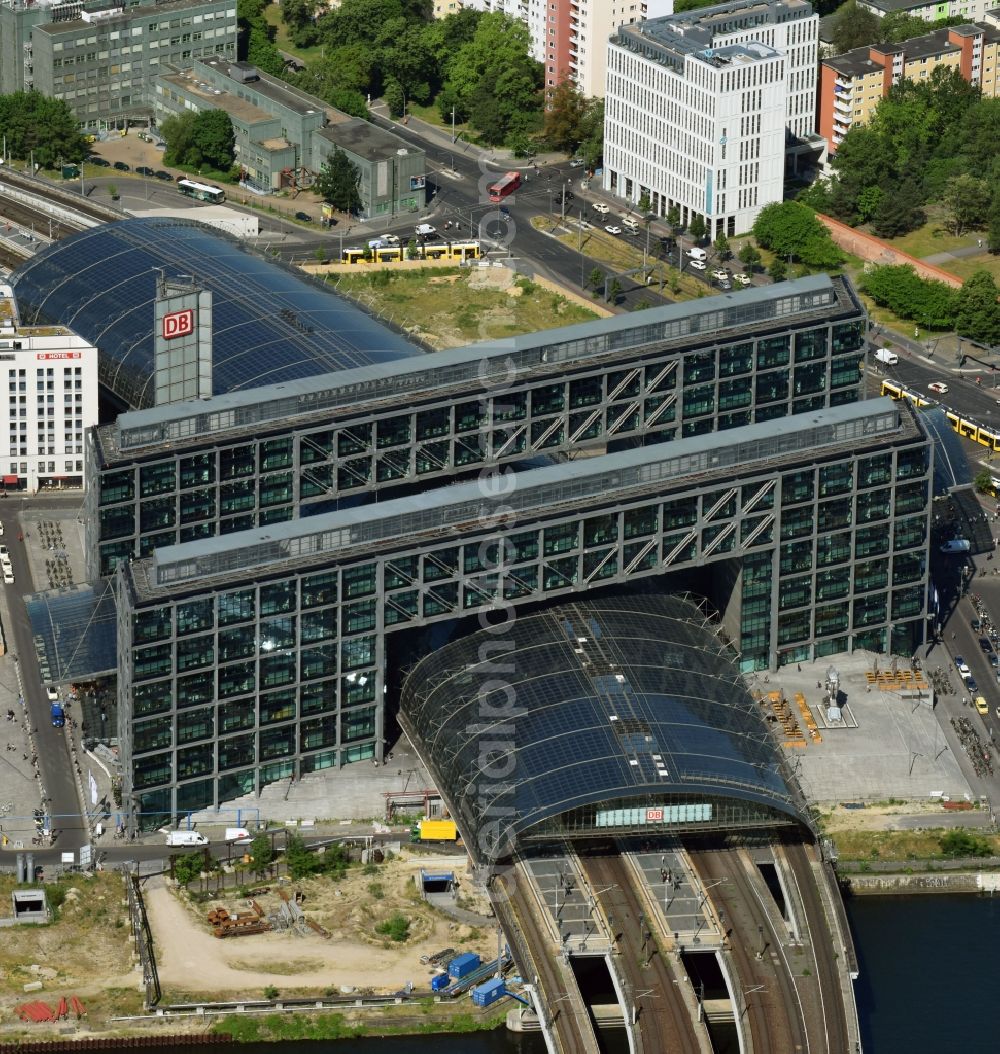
853 84
570 36
929 10
706 110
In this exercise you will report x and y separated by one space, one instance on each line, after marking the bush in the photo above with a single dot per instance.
396 928
790 228
963 843
899 288
375 890
188 867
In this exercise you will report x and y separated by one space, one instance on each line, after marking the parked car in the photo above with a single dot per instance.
977 626
101 162
145 170
122 166
984 643
961 665
743 279
1 528
981 706
994 660
699 265
145 137
58 716
52 694
970 683
600 207
577 162
720 274
165 176
612 229
304 217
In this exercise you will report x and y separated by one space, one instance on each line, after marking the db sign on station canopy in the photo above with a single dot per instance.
178 324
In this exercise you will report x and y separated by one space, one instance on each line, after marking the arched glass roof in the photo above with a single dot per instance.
271 324
598 701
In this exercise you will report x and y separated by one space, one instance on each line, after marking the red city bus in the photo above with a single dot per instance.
505 185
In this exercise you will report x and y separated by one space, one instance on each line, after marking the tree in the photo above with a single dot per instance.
790 228
749 256
968 200
597 279
300 18
994 228
46 128
300 861
564 115
777 270
338 181
256 37
644 203
854 27
697 228
261 854
614 291
213 140
721 246
898 211
178 135
984 481
977 314
898 287
591 145
674 217
188 867
394 97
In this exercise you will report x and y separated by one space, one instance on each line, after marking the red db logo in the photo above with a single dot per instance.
178 324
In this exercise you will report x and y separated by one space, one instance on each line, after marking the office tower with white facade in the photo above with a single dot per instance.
706 109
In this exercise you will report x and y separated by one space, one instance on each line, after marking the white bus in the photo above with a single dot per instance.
201 191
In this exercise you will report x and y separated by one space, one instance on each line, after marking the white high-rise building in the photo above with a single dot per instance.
51 401
703 108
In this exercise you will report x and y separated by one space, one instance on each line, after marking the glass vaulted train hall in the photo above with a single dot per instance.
624 714
270 323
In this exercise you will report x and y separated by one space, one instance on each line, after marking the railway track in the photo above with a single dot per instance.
664 1022
834 1018
570 1021
58 195
768 992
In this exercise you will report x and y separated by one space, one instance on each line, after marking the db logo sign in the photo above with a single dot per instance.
178 324
654 816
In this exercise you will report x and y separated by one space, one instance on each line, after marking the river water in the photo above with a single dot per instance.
930 971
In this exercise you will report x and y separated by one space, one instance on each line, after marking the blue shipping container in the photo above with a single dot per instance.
439 981
463 965
488 993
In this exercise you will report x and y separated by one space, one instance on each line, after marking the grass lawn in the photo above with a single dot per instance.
619 255
896 845
272 13
446 308
963 268
933 237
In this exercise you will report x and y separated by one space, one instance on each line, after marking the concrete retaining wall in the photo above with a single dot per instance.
874 250
956 882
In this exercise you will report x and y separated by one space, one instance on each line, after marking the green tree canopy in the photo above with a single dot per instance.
199 139
564 115
256 37
898 287
968 200
34 123
338 182
790 228
697 228
977 314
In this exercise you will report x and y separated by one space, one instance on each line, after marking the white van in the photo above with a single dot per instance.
956 545
697 254
186 838
890 358
238 836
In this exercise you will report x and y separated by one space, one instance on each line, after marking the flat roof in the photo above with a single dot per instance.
125 14
298 102
350 392
365 139
857 62
241 109
445 513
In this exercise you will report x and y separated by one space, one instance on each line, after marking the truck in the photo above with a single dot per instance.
437 830
187 839
884 355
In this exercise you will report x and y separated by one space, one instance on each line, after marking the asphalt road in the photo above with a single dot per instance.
58 777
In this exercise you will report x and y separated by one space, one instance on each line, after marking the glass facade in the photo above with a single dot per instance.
223 488
279 669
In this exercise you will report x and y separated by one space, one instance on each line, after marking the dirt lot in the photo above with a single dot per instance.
448 307
191 960
86 952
